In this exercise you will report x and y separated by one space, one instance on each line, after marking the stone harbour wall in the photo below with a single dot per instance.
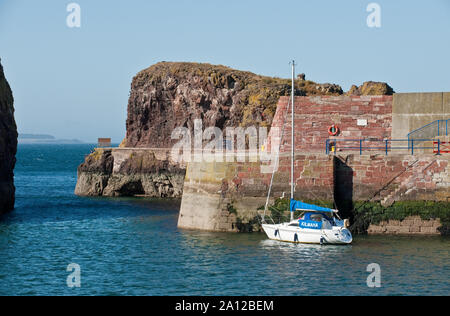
343 178
412 225
394 177
415 110
226 196
315 114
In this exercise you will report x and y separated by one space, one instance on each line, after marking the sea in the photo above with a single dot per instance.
56 243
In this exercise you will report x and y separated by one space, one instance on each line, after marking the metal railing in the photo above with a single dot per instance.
434 129
384 145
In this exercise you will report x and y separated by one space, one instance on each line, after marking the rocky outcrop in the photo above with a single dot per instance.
8 145
169 95
128 173
371 88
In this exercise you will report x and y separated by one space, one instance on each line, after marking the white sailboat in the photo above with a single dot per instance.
316 225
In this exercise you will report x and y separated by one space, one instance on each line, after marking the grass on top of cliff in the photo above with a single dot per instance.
259 95
96 155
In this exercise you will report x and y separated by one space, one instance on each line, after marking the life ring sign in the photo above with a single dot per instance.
333 130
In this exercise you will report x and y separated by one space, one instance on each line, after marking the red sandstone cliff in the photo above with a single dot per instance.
8 145
169 95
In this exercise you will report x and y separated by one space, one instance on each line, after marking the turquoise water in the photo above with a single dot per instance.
133 247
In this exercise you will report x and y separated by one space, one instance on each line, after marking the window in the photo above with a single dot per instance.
316 217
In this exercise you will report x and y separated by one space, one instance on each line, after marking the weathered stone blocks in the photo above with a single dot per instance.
314 115
412 225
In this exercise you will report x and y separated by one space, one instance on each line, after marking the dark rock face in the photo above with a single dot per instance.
170 95
8 145
129 173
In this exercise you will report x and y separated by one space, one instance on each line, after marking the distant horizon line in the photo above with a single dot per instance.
41 138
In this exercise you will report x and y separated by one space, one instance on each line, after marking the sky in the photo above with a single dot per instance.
75 82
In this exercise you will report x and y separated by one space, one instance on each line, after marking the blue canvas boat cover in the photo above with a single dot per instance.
298 205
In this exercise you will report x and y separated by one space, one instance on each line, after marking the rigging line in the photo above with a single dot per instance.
323 202
278 157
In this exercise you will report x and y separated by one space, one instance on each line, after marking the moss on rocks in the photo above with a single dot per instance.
374 213
100 161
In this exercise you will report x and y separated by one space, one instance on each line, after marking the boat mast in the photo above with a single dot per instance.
292 134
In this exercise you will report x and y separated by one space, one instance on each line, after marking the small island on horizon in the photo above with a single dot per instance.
44 139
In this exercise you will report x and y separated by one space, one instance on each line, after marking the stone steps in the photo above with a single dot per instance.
406 184
225 221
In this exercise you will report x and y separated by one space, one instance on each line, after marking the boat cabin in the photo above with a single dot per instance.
314 217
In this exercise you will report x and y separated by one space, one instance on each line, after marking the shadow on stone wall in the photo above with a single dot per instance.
343 187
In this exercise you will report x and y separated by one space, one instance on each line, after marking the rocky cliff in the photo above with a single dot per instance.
371 88
117 172
8 145
170 95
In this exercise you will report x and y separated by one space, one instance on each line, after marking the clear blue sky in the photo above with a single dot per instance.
74 83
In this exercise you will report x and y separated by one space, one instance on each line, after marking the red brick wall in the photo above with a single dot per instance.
315 114
399 177
357 177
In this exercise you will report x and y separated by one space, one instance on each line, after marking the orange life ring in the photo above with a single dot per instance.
333 130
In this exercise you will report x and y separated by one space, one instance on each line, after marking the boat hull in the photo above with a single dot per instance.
285 233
